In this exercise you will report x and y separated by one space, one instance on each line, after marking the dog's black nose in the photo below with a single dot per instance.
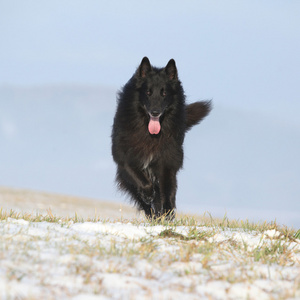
155 113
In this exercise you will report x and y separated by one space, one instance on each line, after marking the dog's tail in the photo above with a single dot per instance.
196 112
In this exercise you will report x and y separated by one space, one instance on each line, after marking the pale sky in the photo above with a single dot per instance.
241 53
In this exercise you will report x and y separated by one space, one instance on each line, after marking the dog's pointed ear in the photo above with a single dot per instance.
171 69
144 68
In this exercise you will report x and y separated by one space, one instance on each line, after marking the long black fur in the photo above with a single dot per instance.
147 163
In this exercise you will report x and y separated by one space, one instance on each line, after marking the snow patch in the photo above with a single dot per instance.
106 260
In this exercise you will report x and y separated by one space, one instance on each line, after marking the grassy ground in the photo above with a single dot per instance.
192 256
34 205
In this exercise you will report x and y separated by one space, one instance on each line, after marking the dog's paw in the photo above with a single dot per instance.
147 194
147 200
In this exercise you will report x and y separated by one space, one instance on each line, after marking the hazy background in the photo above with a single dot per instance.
62 62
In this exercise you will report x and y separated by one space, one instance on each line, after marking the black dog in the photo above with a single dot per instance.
148 133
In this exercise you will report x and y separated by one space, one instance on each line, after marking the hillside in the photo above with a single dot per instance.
32 202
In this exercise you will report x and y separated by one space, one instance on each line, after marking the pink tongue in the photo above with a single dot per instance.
154 125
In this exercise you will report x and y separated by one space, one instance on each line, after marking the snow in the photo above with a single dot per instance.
107 260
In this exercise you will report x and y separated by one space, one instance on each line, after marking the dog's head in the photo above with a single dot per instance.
157 88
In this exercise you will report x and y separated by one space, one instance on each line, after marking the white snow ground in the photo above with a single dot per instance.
103 260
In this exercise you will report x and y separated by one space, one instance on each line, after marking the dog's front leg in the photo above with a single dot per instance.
142 182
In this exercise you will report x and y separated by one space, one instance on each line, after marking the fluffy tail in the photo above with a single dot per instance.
196 112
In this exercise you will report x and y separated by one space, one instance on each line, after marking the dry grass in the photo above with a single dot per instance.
197 252
190 247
